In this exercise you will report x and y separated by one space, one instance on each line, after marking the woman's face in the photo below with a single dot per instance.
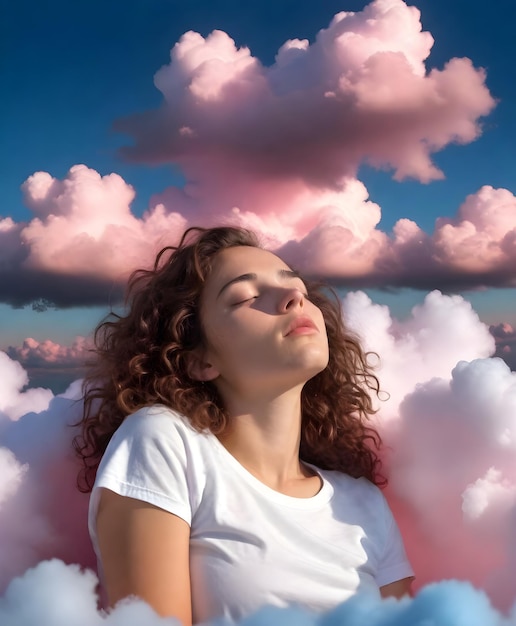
262 333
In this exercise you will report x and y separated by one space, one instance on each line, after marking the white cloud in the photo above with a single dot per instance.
15 402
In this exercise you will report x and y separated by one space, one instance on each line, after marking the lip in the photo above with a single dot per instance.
301 326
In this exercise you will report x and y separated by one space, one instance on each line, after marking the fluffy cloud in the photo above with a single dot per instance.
14 401
49 364
360 92
481 240
37 475
474 411
84 225
49 354
450 422
428 344
83 242
71 254
474 248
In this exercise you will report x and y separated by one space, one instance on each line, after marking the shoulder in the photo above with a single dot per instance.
361 493
154 449
155 434
345 482
154 457
156 421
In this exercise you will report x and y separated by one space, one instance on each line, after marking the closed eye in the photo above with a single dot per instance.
235 304
244 301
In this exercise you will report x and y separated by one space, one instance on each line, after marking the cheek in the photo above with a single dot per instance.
213 335
210 330
224 337
241 339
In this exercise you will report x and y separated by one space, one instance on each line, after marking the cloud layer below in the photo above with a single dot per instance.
38 599
449 424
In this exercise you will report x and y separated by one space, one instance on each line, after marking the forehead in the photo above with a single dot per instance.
242 260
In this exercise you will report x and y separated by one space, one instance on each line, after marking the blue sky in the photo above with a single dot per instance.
70 70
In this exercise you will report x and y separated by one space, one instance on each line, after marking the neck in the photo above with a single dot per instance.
264 436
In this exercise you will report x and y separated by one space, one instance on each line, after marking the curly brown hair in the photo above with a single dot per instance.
141 359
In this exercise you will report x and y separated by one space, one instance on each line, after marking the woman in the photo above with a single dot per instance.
228 413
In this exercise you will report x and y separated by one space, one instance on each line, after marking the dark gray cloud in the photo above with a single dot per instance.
21 287
505 338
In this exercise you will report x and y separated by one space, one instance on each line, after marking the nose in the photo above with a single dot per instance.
291 299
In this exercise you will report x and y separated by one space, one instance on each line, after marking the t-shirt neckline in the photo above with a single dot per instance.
313 502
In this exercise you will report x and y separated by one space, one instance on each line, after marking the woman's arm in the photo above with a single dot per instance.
397 589
145 553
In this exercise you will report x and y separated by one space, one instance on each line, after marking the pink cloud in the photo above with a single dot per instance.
460 433
37 477
51 365
450 428
483 234
360 92
47 353
84 225
473 249
85 240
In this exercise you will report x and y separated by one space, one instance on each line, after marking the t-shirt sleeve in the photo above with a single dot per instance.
394 564
146 459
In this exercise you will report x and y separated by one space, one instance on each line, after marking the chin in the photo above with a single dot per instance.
313 366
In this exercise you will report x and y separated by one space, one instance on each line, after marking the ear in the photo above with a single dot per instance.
199 368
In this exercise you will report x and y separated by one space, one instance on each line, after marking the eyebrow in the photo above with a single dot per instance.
285 274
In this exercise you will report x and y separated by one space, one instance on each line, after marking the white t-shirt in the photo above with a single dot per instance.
249 544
